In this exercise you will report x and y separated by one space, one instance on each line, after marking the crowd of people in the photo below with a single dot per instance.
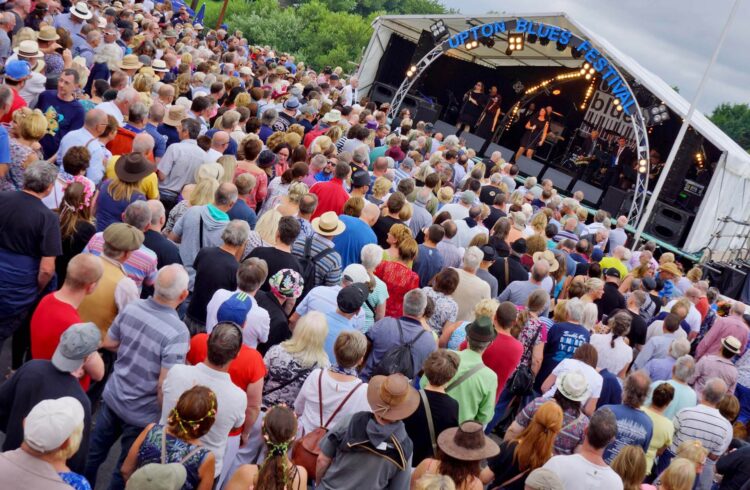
232 271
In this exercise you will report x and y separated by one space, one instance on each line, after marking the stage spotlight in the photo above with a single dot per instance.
411 71
518 87
642 165
515 41
487 41
439 31
472 45
508 52
561 47
544 41
556 91
531 38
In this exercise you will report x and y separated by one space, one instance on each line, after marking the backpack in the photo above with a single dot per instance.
308 263
398 359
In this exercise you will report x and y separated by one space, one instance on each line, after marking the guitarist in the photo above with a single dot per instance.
589 148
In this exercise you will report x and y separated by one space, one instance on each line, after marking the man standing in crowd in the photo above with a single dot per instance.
63 109
634 426
177 167
470 288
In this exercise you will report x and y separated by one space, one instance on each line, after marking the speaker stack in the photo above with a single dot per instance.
669 224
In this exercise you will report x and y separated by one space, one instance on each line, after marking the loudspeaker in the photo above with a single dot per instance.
472 141
683 162
507 153
529 167
560 180
424 45
613 200
380 92
669 224
427 111
445 128
591 194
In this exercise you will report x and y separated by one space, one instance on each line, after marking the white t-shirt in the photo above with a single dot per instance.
613 360
257 325
693 317
577 473
307 405
657 328
593 378
230 400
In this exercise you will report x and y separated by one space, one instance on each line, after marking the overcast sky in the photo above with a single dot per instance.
672 38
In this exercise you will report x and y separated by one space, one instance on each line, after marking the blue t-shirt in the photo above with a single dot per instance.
242 211
428 263
62 117
4 146
349 244
611 390
562 341
336 325
173 136
108 210
634 428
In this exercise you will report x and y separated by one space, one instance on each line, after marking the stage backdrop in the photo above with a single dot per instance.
602 113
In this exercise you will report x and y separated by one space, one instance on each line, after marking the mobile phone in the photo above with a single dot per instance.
604 319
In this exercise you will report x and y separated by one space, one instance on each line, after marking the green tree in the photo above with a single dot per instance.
734 119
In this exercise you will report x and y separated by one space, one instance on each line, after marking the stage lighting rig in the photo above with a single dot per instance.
515 41
658 114
618 104
487 41
642 166
411 71
561 47
439 31
532 38
518 87
472 45
544 41
587 71
575 53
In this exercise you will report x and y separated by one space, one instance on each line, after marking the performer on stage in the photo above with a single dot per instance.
589 148
487 122
622 158
474 102
536 133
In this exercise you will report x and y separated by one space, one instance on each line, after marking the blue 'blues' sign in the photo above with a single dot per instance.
558 35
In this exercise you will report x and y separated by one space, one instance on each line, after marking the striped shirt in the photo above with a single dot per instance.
705 424
140 266
328 268
152 337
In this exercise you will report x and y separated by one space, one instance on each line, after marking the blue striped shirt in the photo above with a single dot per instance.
328 268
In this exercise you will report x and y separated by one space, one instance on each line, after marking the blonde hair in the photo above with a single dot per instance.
243 99
445 195
486 307
74 443
381 187
203 192
593 284
539 223
296 191
229 164
268 225
143 83
692 450
308 340
630 464
432 481
31 124
406 212
209 171
292 139
321 145
680 475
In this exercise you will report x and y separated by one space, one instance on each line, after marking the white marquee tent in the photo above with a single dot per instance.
729 190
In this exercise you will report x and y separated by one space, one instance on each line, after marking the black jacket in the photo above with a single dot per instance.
516 271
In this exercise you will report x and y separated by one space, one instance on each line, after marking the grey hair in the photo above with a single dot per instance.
128 94
318 161
372 256
39 176
226 194
574 310
530 182
171 281
268 117
157 211
6 96
360 154
679 348
451 141
138 214
138 112
415 301
684 367
714 391
229 119
235 233
143 143
473 258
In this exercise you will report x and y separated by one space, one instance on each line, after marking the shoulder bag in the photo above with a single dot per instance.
430 423
522 379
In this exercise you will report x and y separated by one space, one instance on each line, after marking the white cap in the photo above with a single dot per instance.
356 273
51 422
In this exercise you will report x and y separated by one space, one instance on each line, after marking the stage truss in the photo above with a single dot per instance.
640 130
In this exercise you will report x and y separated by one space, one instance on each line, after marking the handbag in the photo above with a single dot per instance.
522 380
306 449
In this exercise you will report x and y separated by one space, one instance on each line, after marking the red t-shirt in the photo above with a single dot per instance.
502 356
17 103
703 306
245 369
50 319
331 197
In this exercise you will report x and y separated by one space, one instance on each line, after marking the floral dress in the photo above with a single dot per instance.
446 310
285 377
79 482
19 154
176 451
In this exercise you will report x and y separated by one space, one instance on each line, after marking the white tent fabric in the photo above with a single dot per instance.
732 176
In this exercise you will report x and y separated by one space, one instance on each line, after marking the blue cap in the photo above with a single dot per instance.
597 254
235 309
17 70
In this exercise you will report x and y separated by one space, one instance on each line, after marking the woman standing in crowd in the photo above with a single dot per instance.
398 277
614 353
75 162
396 236
76 227
28 128
179 441
287 205
118 193
251 147
630 464
277 471
584 362
201 194
454 333
372 256
285 287
444 284
280 185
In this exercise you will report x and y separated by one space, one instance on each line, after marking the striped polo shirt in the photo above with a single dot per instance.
140 266
152 337
327 269
705 424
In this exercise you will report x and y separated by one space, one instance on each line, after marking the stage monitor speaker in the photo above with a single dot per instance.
669 224
428 112
529 167
613 201
381 92
507 153
591 194
472 141
445 128
560 180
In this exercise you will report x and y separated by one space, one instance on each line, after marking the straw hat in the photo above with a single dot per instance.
392 397
732 344
467 442
328 224
81 10
175 115
332 117
549 257
48 33
159 66
130 62
671 268
28 49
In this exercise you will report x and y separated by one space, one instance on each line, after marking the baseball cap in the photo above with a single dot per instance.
597 254
77 341
612 272
360 178
356 273
351 298
17 70
235 309
155 476
51 422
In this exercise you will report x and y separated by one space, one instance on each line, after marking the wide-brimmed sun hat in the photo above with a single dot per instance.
133 167
332 116
671 268
549 257
732 344
467 442
392 397
573 386
130 62
175 115
28 49
328 224
81 10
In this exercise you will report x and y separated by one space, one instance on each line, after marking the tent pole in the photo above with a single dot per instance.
685 124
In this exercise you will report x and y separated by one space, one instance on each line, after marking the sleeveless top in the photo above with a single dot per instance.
150 452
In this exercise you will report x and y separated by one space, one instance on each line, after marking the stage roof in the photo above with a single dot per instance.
729 189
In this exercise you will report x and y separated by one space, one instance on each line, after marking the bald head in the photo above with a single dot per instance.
738 308
622 221
156 113
95 121
539 270
171 285
713 391
158 213
143 143
619 252
219 141
84 271
370 213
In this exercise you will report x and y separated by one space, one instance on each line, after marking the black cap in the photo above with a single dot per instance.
266 159
351 298
489 253
360 178
611 272
519 246
649 284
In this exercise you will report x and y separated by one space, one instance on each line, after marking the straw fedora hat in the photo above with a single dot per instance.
732 344
332 116
392 397
130 62
132 167
573 386
549 257
81 10
48 33
28 49
175 115
671 268
328 224
159 66
467 442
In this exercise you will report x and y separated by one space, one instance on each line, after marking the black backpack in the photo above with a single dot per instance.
308 263
398 359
